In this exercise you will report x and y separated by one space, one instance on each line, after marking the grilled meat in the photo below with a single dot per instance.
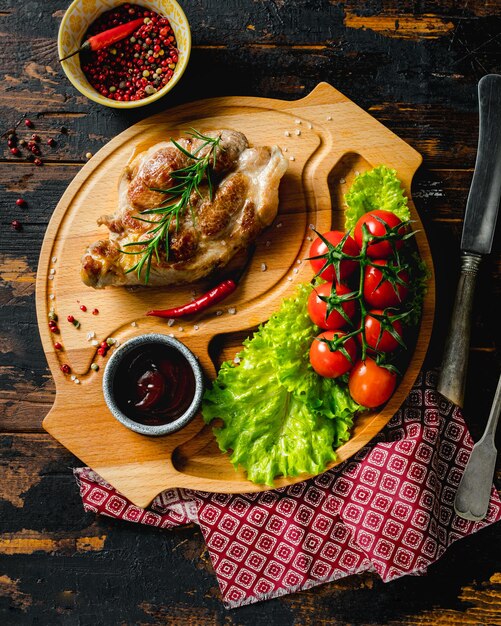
216 226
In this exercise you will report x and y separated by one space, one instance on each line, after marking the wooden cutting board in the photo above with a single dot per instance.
328 140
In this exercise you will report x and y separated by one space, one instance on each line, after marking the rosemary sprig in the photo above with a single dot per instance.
178 199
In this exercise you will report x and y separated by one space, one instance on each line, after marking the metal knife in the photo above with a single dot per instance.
478 233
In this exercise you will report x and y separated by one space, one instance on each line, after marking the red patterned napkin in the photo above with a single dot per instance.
388 509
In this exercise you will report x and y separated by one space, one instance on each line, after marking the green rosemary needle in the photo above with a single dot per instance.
178 199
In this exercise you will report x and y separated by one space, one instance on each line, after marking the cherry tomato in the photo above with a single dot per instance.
372 325
382 294
370 384
382 249
318 248
317 308
332 364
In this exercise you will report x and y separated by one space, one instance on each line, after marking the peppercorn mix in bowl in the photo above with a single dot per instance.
136 70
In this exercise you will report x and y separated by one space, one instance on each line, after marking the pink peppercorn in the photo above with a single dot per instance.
108 70
21 202
58 346
28 123
70 319
66 369
95 312
16 225
83 308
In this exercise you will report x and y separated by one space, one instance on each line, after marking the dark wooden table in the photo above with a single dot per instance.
414 66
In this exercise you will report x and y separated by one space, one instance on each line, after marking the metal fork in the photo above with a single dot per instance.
473 494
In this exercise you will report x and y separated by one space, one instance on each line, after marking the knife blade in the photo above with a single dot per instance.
483 200
478 233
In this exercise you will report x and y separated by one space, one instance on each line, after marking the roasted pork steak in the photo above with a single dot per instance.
244 201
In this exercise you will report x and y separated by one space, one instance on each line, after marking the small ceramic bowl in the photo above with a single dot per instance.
111 371
80 15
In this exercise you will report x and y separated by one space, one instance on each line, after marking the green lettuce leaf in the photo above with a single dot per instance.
269 432
280 417
291 333
377 189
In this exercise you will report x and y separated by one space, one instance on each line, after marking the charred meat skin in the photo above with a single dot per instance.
244 201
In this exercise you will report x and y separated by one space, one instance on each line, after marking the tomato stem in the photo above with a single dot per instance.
389 272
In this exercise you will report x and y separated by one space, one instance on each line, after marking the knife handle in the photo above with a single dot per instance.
452 378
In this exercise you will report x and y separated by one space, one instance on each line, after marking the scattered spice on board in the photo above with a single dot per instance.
104 346
73 321
53 327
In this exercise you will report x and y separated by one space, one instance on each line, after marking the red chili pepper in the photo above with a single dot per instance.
215 295
108 37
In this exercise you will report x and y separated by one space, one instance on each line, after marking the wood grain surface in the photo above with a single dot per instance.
335 139
414 66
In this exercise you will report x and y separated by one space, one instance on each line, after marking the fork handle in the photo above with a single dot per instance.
474 491
492 422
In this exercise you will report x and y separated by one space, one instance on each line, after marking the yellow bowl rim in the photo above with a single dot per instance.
98 98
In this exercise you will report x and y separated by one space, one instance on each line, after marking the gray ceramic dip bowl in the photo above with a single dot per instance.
112 368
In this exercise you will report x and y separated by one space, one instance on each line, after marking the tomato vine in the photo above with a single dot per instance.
391 272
